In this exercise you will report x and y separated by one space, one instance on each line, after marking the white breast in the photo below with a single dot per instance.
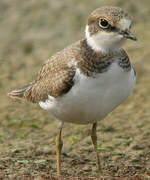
91 99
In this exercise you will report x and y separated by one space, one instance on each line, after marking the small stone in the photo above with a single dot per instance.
87 168
48 150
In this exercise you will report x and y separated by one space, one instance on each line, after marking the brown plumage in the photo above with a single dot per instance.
113 14
91 62
56 76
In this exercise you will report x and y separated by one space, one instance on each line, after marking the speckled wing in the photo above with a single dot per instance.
54 79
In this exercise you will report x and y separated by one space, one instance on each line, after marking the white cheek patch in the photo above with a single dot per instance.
125 24
104 41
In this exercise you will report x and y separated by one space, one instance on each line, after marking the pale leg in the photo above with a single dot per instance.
94 141
59 145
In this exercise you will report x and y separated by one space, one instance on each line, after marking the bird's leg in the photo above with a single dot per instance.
94 141
59 145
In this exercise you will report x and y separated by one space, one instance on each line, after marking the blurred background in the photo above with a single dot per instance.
32 31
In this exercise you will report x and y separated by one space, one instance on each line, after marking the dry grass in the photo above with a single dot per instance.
30 32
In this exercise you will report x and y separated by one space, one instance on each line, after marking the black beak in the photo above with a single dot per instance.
127 34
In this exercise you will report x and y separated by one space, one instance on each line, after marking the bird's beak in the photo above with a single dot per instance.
127 34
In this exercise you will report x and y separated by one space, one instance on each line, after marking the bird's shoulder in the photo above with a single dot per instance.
93 62
55 78
124 61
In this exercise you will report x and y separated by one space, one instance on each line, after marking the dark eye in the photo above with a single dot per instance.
103 23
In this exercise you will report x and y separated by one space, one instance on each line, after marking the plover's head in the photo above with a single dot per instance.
108 28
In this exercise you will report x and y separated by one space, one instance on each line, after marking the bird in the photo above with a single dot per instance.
87 80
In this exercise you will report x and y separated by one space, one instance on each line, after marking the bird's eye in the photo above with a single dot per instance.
103 23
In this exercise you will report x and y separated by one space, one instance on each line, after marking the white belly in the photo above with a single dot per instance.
91 99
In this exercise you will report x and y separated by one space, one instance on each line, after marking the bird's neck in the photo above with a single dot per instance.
89 54
100 44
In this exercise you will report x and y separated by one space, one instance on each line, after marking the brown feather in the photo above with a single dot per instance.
56 76
19 93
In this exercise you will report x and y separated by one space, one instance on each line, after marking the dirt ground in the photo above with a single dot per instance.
30 32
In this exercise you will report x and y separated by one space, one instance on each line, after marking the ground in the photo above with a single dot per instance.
30 32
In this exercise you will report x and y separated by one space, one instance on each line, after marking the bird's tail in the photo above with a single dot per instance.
19 93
